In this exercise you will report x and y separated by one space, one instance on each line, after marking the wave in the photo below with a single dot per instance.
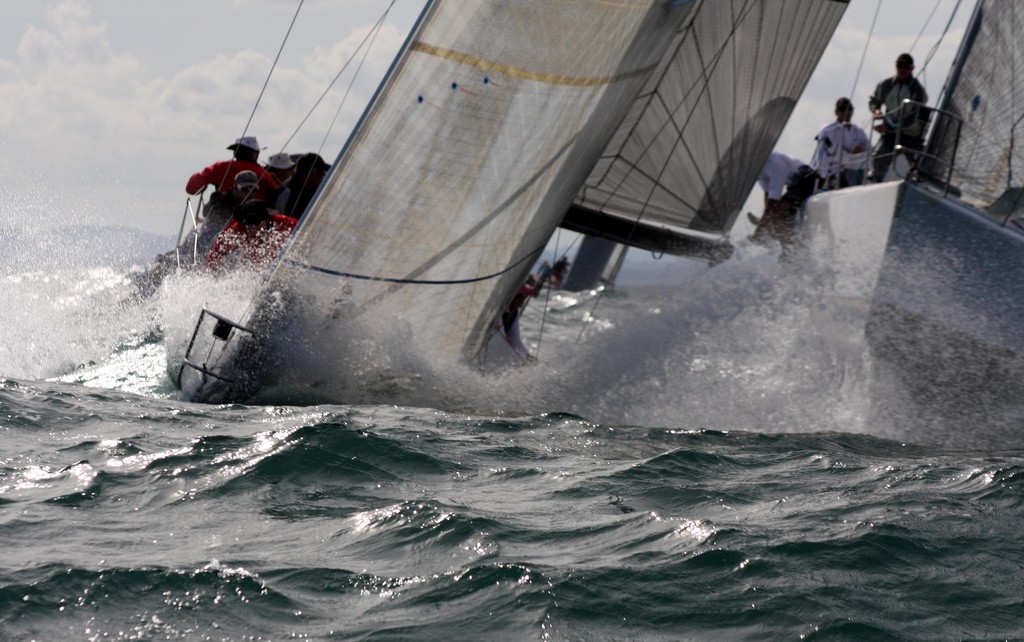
160 518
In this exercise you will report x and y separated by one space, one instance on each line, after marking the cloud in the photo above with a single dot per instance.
78 110
81 106
65 82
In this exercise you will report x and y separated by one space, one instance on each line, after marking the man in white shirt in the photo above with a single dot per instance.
779 218
775 175
841 155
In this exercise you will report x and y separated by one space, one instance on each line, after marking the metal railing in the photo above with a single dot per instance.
221 332
193 216
917 154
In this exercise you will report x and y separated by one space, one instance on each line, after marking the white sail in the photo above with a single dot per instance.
979 135
479 139
698 134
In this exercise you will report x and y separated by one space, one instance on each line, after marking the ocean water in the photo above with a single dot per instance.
719 457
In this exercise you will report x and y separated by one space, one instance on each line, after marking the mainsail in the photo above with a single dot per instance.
699 132
979 132
490 121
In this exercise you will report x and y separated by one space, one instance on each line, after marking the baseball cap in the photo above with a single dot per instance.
246 179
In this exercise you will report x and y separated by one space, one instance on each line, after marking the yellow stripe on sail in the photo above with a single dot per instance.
525 74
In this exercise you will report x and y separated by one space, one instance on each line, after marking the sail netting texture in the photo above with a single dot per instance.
465 163
695 139
983 140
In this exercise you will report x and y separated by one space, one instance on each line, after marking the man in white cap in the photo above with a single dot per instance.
310 170
280 167
221 175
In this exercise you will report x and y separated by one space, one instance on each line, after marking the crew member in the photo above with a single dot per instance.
255 235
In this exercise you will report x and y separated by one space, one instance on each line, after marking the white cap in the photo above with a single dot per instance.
280 161
245 141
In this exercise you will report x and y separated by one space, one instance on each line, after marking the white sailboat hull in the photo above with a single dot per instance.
847 233
938 284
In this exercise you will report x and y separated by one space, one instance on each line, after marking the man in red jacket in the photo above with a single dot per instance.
255 235
221 175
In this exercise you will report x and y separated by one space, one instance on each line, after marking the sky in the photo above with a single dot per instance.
108 106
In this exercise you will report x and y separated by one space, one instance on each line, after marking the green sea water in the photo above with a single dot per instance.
721 459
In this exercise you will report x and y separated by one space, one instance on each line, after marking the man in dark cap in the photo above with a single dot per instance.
298 191
898 118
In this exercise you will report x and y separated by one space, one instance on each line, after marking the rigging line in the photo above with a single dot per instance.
925 26
700 87
372 32
547 297
366 52
708 69
272 67
867 42
265 83
380 21
447 251
590 315
938 42
375 31
703 84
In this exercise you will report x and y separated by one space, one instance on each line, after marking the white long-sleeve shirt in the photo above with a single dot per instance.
836 142
775 174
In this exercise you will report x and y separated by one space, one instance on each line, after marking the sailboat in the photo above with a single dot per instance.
645 122
936 258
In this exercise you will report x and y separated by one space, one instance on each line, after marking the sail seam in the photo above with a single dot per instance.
526 74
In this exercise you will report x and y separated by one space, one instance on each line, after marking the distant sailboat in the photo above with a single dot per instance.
641 122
